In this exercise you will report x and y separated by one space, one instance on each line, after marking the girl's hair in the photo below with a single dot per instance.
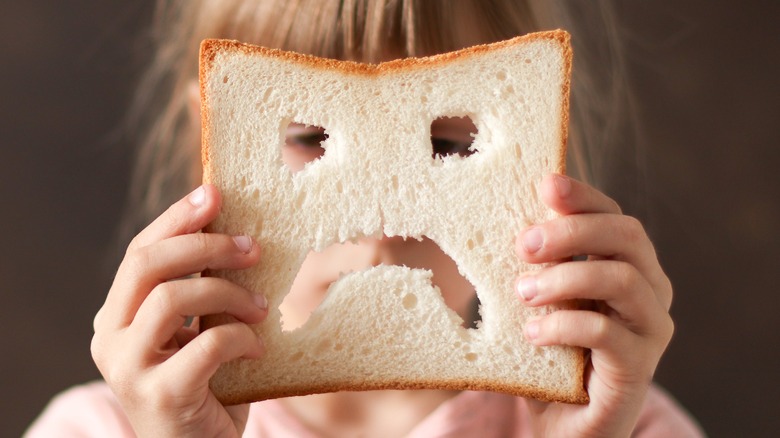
167 161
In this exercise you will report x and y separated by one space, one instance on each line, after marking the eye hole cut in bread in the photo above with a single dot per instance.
449 136
387 327
453 136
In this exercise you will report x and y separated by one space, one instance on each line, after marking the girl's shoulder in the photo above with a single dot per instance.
469 413
89 410
484 414
92 410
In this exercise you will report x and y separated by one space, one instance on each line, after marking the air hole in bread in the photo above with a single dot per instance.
507 91
296 357
409 301
452 136
321 269
471 357
323 347
303 144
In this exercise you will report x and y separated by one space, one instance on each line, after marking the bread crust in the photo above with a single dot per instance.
249 396
209 51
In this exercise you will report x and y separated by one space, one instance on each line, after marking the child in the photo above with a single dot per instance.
156 364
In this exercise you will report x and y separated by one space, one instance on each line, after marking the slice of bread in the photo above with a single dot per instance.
388 327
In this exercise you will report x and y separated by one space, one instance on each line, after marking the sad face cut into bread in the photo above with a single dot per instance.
388 327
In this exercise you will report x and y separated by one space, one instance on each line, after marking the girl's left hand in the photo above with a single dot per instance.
629 327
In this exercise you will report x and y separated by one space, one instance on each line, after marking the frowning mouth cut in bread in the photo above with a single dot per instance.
387 327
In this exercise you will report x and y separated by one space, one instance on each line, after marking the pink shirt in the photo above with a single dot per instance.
91 410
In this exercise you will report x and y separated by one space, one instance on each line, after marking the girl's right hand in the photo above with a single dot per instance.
145 344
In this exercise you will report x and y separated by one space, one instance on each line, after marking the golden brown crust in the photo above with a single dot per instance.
210 47
249 396
207 53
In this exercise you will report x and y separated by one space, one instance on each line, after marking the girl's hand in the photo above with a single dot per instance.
146 345
629 327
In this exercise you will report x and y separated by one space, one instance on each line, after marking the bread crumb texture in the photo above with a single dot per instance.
388 327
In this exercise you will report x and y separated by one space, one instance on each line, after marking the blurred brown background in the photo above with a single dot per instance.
706 75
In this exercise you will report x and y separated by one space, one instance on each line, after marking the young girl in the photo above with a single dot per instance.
157 366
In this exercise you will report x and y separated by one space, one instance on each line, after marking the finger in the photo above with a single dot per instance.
566 195
192 367
618 361
578 328
626 293
188 331
185 255
169 305
614 348
609 236
145 267
188 215
239 414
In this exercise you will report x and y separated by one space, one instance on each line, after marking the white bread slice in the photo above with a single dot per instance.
388 327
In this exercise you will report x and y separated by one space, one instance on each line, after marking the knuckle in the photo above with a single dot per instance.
96 350
209 343
668 329
667 292
626 278
633 230
615 206
600 331
569 282
555 327
136 262
96 320
135 243
557 283
174 218
552 326
164 296
201 243
569 229
571 226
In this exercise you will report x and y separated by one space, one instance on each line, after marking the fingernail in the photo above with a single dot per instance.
198 196
562 185
526 287
532 329
244 243
533 240
260 301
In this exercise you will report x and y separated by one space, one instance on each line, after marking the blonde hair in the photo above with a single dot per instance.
360 30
